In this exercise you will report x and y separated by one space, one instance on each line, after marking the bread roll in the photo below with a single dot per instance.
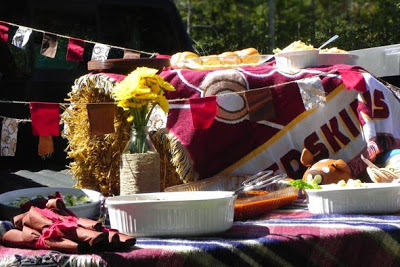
211 60
178 58
249 55
229 58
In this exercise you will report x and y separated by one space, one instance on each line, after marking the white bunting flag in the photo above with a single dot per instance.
157 120
21 37
100 52
9 134
312 92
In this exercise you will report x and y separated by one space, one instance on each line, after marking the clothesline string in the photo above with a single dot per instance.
183 99
87 41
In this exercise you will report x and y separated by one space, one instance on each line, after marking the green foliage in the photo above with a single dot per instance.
219 25
304 185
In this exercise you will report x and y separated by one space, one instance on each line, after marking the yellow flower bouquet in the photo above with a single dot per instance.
139 93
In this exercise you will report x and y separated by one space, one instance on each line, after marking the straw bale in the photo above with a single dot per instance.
96 158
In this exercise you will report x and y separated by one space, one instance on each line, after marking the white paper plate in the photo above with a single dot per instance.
90 210
172 213
375 198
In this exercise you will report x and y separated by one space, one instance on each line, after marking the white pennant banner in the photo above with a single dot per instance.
9 134
21 37
100 52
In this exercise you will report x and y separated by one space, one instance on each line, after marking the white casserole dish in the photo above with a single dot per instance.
295 60
374 198
172 213
90 210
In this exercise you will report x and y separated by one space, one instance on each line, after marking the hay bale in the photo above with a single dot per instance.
176 163
96 158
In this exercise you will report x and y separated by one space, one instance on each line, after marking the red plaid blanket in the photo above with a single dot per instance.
285 237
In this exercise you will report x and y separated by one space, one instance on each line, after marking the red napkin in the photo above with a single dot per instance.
204 110
45 118
47 229
56 228
4 31
75 49
30 238
353 79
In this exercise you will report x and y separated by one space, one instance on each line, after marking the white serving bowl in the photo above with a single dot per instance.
90 210
295 60
172 213
374 198
336 58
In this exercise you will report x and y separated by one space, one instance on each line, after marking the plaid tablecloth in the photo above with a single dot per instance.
289 236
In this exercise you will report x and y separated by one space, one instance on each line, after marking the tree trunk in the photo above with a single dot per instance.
271 25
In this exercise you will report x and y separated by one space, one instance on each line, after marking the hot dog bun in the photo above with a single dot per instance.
178 58
230 58
211 60
249 55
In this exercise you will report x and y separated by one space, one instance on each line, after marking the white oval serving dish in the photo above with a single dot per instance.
90 210
374 198
336 58
172 213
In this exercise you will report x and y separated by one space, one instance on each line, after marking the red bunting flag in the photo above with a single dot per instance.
353 79
4 26
204 110
101 118
163 56
45 118
75 49
260 105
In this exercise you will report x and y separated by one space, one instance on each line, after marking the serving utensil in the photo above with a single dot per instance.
259 180
333 38
381 175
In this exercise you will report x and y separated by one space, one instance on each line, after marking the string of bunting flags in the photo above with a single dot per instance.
75 47
45 116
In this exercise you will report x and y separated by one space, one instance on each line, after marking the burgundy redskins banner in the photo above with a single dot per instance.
350 119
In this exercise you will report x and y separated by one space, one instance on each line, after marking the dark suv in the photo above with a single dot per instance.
150 26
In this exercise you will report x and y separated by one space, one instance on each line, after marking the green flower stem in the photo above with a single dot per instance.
139 142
